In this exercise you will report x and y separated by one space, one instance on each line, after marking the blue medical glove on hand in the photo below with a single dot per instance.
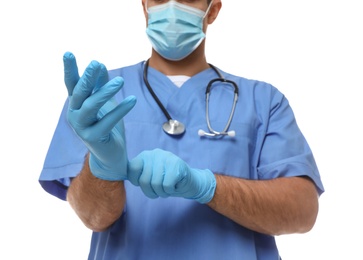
96 118
163 174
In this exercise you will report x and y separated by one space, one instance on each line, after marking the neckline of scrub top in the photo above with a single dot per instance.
164 88
172 97
178 80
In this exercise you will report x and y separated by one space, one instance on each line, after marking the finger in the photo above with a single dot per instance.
102 77
134 170
104 94
85 85
109 121
146 177
71 75
175 175
157 178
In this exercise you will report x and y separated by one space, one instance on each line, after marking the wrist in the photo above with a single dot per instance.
208 186
101 171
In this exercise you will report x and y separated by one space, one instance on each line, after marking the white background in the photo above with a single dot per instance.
311 50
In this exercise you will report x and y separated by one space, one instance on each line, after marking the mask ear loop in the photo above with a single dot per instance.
207 11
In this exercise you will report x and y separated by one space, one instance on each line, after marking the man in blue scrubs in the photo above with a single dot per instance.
148 194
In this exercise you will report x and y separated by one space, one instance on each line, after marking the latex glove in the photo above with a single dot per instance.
96 118
163 174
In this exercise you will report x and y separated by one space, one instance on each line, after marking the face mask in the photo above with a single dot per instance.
175 30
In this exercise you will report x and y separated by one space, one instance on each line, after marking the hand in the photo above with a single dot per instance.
96 118
163 174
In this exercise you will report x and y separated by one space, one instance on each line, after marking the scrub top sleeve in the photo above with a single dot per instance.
285 152
64 159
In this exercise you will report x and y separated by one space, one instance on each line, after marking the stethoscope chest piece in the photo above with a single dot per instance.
174 127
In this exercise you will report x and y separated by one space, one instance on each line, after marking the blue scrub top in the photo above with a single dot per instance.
268 144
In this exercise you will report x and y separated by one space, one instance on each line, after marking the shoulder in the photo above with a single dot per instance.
256 88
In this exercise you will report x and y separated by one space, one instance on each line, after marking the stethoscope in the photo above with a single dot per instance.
174 127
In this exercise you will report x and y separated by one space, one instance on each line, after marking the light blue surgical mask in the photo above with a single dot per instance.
175 30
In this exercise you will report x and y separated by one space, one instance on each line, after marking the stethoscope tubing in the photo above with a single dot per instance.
225 130
170 126
157 100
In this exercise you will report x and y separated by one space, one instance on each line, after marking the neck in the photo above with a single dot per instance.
189 66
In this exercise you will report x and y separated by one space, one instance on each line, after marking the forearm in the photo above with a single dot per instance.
278 206
98 203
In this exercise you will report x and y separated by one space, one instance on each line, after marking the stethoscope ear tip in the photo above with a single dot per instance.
201 132
231 133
